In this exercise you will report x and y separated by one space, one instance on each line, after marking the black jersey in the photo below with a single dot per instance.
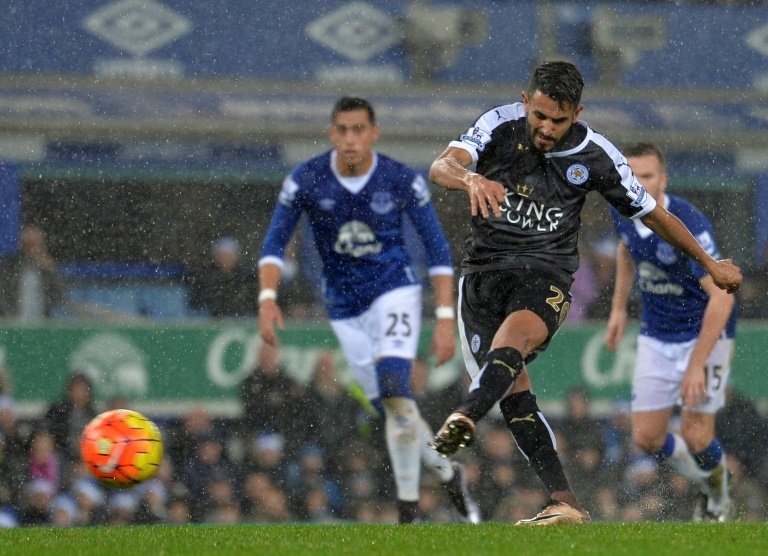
540 219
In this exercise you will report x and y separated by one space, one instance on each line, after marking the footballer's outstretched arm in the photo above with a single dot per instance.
450 171
270 314
725 274
624 277
427 224
693 388
280 230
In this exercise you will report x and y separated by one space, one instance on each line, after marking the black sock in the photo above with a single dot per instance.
499 370
532 434
408 512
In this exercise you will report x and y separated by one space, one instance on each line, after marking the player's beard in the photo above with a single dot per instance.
537 146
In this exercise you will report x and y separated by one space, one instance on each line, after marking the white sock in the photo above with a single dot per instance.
682 461
403 432
434 461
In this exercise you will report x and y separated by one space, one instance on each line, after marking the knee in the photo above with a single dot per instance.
400 408
648 441
696 439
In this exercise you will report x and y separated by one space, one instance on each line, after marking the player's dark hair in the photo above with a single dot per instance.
560 81
644 149
345 104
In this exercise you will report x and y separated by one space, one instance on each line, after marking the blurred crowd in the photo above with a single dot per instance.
315 453
223 285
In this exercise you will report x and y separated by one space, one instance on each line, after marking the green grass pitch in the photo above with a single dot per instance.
654 539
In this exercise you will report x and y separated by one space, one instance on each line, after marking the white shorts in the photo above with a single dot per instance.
659 371
389 328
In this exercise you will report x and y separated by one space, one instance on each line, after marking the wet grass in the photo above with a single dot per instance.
656 539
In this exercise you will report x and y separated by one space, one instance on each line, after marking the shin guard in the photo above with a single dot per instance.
534 439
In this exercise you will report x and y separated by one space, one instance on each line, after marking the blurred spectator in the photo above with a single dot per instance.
617 438
66 418
640 476
224 287
266 454
603 264
327 396
179 512
182 440
273 401
208 461
584 289
578 426
221 506
37 496
30 284
225 514
361 477
307 478
121 508
316 507
43 460
13 454
253 488
500 466
90 500
431 506
152 497
301 294
743 433
263 501
8 519
435 404
63 511
606 505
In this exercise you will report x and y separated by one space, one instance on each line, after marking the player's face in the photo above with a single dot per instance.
548 122
353 134
650 173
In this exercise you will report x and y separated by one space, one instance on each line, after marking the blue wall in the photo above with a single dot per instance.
271 39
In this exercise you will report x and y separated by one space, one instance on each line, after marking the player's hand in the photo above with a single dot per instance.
443 345
693 388
726 275
617 325
269 316
484 193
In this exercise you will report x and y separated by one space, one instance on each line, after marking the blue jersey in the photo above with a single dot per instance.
668 279
357 229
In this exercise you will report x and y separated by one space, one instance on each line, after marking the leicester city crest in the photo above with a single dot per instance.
577 174
382 202
474 343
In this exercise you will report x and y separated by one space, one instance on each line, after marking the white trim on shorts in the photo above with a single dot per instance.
364 340
660 367
466 349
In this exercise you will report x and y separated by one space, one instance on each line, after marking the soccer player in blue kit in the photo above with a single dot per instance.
355 200
527 168
685 344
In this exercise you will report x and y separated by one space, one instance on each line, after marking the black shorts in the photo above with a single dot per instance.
487 298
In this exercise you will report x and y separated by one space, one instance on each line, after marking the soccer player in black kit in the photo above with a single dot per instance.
534 164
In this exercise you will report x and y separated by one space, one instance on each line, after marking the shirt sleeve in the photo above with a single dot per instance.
477 137
283 223
422 214
617 183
